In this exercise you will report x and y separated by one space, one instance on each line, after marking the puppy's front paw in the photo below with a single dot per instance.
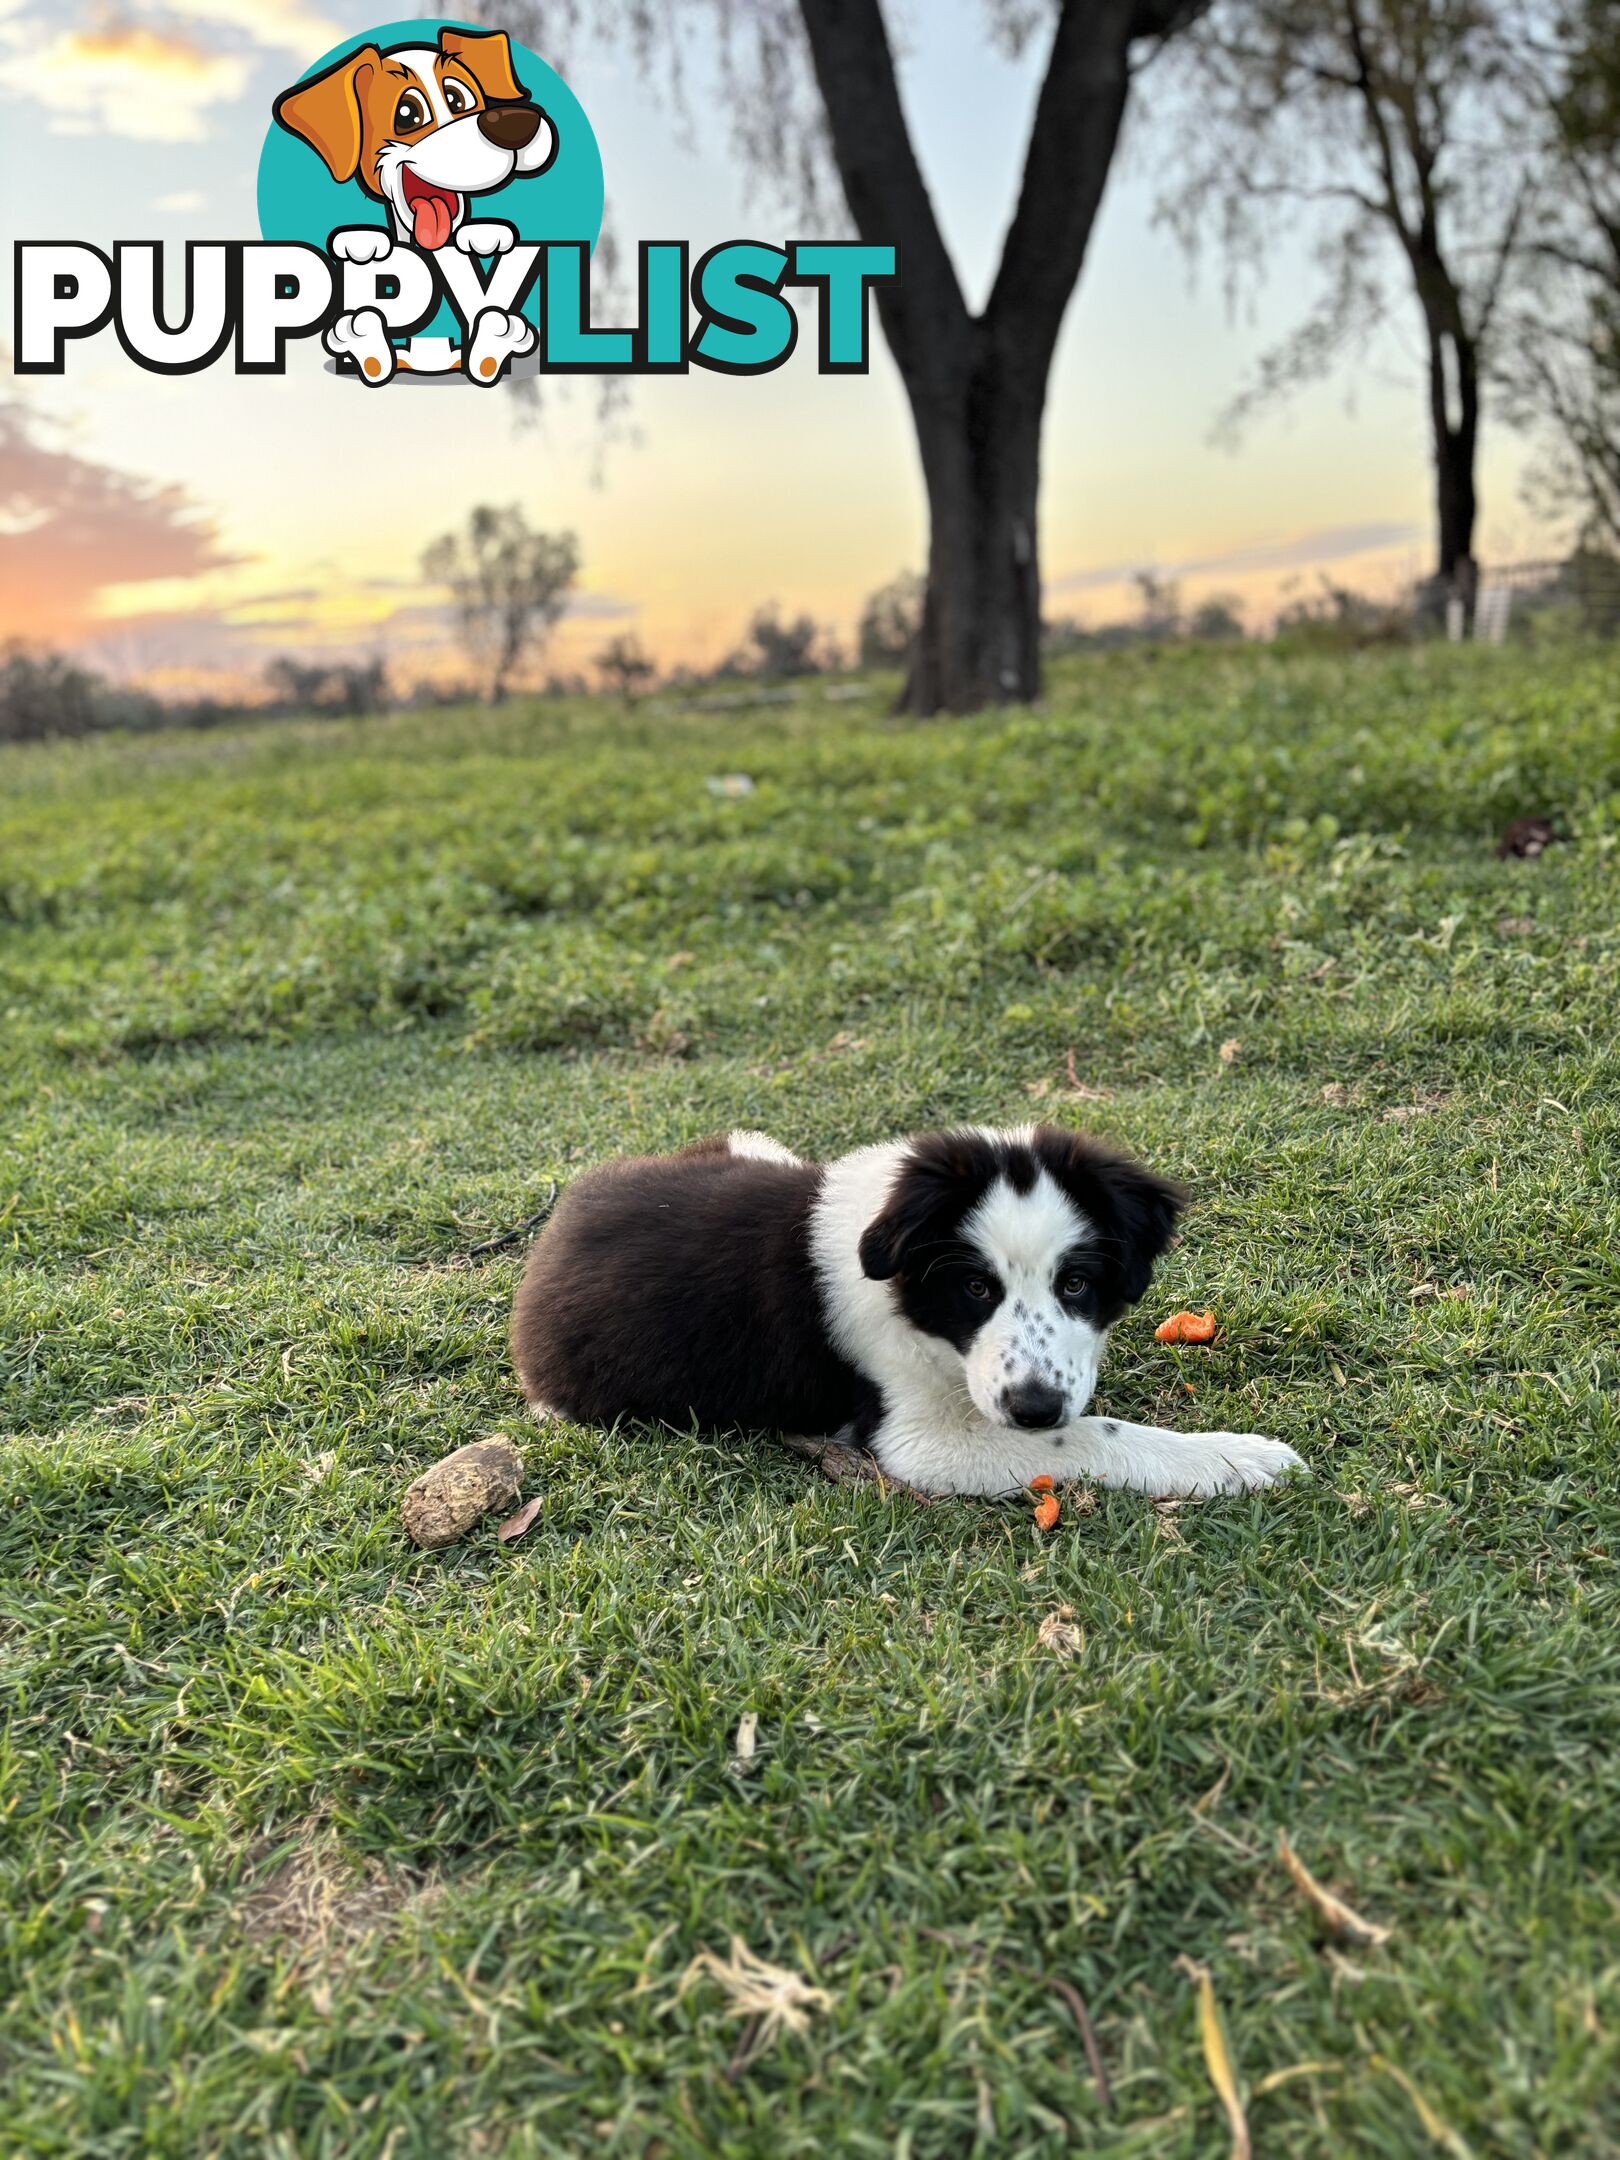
490 237
1243 1462
362 338
498 338
362 243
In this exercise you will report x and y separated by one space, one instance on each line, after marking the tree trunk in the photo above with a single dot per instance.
980 638
977 384
1454 419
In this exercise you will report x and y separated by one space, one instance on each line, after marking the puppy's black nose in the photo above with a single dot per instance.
510 126
1034 1405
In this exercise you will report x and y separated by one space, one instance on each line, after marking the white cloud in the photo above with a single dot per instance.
291 26
183 200
119 79
1324 544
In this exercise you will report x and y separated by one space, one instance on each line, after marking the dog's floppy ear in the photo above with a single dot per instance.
1134 1209
1144 1208
325 111
487 57
935 1185
887 1236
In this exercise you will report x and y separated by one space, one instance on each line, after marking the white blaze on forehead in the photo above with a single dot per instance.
1025 1235
419 59
1030 1338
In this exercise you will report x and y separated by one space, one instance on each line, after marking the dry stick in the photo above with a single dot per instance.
742 2053
1059 1986
523 1229
844 1465
1082 2017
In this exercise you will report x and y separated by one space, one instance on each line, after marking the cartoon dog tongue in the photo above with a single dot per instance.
431 216
433 211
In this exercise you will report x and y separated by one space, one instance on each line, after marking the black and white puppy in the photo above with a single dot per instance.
943 1301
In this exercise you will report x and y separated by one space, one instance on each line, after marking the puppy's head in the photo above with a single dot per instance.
1016 1252
422 127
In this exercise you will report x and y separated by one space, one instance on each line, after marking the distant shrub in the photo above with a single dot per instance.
348 690
890 621
46 694
624 667
1217 620
1339 620
777 650
1579 597
1160 620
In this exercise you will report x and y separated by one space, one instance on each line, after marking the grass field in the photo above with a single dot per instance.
311 1844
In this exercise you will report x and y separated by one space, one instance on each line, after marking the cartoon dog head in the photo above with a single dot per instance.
423 127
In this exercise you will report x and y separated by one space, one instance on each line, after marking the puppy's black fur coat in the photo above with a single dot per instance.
682 1286
656 1293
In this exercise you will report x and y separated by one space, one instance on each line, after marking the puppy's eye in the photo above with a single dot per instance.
457 96
976 1287
411 112
1072 1284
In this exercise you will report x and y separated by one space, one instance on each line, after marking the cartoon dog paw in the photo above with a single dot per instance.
497 339
362 244
489 238
363 338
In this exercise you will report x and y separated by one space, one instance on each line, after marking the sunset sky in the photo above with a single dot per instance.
184 530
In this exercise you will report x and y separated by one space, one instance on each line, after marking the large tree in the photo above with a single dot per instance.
1402 132
813 78
1560 363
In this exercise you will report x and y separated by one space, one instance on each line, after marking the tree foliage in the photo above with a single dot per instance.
779 648
348 689
890 621
1404 133
1561 365
45 694
623 666
509 586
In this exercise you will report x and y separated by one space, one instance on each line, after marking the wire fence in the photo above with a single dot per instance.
1580 593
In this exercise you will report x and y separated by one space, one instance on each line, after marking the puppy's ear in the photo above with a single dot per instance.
1133 1208
487 57
883 1245
933 1188
1144 1207
327 113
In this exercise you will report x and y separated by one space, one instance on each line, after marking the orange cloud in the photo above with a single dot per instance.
70 529
119 78
283 25
133 46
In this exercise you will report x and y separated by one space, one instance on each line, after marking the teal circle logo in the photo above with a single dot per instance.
427 129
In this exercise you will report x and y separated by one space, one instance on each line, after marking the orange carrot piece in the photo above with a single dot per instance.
1186 1327
1040 1484
1047 1512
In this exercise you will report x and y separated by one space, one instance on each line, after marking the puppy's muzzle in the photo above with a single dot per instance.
1033 1405
510 127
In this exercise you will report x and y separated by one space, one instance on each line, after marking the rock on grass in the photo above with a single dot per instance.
447 1500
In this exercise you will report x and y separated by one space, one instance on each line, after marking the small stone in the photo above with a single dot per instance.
447 1500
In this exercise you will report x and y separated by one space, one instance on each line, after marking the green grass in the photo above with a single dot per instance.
311 1844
